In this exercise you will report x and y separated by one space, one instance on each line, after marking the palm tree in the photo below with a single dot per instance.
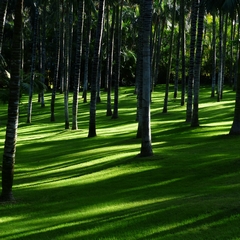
197 67
170 58
42 50
230 6
220 70
77 64
139 71
235 129
118 43
33 63
57 63
13 109
109 73
194 13
183 50
3 12
86 51
146 147
67 12
213 55
97 48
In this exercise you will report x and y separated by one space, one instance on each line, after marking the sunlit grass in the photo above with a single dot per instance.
68 186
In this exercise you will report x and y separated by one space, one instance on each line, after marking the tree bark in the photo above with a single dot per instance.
13 109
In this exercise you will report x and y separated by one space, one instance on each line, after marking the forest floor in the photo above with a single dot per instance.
68 186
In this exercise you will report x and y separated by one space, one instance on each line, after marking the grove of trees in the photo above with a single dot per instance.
88 46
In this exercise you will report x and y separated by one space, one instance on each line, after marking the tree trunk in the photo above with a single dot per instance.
146 147
194 14
98 42
118 43
33 63
235 129
3 12
42 59
56 67
183 50
213 56
77 64
197 67
13 109
86 54
139 71
220 70
110 65
169 67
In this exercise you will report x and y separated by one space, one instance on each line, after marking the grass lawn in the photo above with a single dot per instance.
68 186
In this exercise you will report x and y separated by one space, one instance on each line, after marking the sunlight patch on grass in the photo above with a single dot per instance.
105 216
218 124
53 181
118 129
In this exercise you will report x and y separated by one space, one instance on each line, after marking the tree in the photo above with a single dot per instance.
57 63
183 50
117 43
235 128
86 52
213 55
3 12
197 66
98 41
77 64
230 6
110 48
33 63
169 59
146 147
194 14
139 71
13 109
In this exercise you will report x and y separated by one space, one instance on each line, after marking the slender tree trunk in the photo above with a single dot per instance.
62 39
236 68
86 54
99 76
78 64
176 78
110 65
169 60
213 56
67 36
225 37
197 68
233 32
118 43
183 51
235 129
146 147
43 52
56 67
3 12
194 14
98 42
33 63
13 109
220 70
139 71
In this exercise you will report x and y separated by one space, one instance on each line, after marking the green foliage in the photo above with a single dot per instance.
68 186
39 86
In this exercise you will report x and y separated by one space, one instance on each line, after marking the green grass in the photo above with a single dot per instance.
68 186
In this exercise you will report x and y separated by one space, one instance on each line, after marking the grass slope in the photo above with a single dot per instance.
68 186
